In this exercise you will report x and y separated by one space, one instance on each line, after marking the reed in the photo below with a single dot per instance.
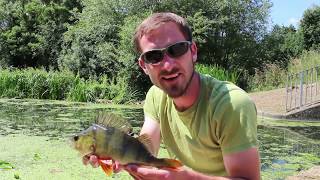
62 85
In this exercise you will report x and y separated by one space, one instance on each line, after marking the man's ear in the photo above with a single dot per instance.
194 58
194 52
143 66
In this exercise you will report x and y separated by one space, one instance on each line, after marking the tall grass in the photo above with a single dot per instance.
64 85
273 76
307 60
218 73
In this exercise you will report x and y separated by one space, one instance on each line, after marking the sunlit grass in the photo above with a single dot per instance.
63 85
273 76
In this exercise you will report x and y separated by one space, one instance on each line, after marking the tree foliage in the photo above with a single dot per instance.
31 31
281 44
310 27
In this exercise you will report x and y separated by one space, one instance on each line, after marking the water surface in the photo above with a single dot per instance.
285 146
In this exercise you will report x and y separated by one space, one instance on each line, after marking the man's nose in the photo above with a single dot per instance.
168 62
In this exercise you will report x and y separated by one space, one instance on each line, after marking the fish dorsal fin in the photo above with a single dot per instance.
146 141
106 119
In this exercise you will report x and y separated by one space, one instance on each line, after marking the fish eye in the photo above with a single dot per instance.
76 138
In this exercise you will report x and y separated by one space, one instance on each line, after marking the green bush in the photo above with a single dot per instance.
218 73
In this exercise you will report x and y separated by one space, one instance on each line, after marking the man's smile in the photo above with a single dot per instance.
170 77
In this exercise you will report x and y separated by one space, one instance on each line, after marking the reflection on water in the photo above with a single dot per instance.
280 146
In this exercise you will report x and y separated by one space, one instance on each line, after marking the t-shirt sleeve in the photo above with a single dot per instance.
151 105
238 123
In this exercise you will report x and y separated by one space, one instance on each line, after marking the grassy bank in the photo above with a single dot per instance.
273 76
62 85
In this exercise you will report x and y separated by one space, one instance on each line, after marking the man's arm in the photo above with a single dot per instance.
152 129
244 164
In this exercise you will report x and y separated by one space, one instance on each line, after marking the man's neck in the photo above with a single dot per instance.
190 96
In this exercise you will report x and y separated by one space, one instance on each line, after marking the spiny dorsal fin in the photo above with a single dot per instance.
146 141
111 120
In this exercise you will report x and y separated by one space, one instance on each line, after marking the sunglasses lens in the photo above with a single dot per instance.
178 49
153 57
174 51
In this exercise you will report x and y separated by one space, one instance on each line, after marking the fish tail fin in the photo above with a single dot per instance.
172 163
107 168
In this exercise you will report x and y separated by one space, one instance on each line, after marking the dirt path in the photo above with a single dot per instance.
311 174
272 103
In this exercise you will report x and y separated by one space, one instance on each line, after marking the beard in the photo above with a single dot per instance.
177 90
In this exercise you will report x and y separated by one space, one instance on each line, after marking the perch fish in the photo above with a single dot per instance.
109 139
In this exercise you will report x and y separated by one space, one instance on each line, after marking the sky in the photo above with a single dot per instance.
286 12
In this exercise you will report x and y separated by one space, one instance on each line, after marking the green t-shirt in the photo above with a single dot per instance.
223 120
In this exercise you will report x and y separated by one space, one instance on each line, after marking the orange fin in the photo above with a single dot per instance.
172 163
107 168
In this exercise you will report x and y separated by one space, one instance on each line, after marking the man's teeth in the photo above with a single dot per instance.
171 76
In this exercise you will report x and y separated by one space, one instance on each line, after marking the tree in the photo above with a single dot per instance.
90 44
31 32
310 27
280 45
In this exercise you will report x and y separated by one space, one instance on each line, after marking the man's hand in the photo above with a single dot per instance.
90 159
94 161
145 173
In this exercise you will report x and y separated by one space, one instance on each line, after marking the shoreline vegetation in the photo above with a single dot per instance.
65 85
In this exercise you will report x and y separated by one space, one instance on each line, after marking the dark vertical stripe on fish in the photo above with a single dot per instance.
142 153
108 132
126 142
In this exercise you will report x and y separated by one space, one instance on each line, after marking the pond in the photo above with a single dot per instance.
33 137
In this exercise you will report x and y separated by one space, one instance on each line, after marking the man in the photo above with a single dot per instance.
209 125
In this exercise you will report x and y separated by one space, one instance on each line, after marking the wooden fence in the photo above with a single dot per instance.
303 89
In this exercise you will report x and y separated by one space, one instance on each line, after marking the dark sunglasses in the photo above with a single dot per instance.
175 50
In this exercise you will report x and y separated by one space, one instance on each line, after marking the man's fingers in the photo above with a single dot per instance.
94 161
85 160
117 167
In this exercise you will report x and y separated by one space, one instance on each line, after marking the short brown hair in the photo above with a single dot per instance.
157 19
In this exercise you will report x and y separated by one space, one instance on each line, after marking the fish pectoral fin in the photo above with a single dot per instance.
107 168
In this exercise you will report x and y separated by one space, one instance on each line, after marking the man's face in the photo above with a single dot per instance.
172 75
